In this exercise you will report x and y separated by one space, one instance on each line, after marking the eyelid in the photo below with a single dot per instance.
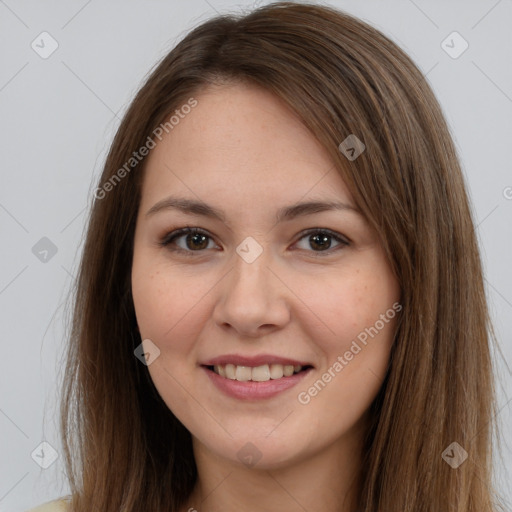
186 230
171 236
341 239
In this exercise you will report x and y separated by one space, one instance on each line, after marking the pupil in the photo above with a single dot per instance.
323 241
197 239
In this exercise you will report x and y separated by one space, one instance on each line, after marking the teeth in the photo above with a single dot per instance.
258 374
230 371
288 370
276 371
243 373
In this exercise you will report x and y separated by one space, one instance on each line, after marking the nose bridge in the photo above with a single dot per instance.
251 296
251 274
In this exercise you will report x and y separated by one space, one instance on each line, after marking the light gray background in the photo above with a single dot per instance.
58 116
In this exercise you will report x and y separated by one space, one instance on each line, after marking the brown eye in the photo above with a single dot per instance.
196 241
187 240
320 240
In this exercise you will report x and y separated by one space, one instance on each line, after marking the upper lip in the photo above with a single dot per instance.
259 360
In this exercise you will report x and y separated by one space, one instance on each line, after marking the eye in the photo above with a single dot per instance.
321 240
187 240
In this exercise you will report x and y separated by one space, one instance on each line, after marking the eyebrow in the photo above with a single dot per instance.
287 213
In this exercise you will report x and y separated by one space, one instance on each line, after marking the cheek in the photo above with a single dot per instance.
344 306
170 313
356 360
154 308
171 305
161 296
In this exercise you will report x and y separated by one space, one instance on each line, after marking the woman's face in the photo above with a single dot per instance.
277 280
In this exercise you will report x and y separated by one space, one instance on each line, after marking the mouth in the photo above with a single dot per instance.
255 383
255 377
261 373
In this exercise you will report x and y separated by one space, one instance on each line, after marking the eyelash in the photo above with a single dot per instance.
171 237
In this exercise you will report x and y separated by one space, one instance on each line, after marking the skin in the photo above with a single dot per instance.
242 151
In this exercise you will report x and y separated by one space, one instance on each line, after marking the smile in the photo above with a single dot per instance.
261 373
250 383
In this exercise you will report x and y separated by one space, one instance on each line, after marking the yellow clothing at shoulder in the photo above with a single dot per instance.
51 506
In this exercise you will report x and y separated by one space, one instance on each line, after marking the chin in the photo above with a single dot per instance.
259 451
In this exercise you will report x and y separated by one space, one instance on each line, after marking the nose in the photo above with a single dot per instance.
252 300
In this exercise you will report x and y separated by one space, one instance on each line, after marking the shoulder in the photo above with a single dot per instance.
59 505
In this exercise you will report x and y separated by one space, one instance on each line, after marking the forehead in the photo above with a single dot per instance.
240 145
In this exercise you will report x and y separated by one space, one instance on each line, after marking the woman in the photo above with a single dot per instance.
280 303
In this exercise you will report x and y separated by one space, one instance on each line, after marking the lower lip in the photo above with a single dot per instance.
251 390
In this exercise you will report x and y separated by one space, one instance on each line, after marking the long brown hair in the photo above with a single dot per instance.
124 448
